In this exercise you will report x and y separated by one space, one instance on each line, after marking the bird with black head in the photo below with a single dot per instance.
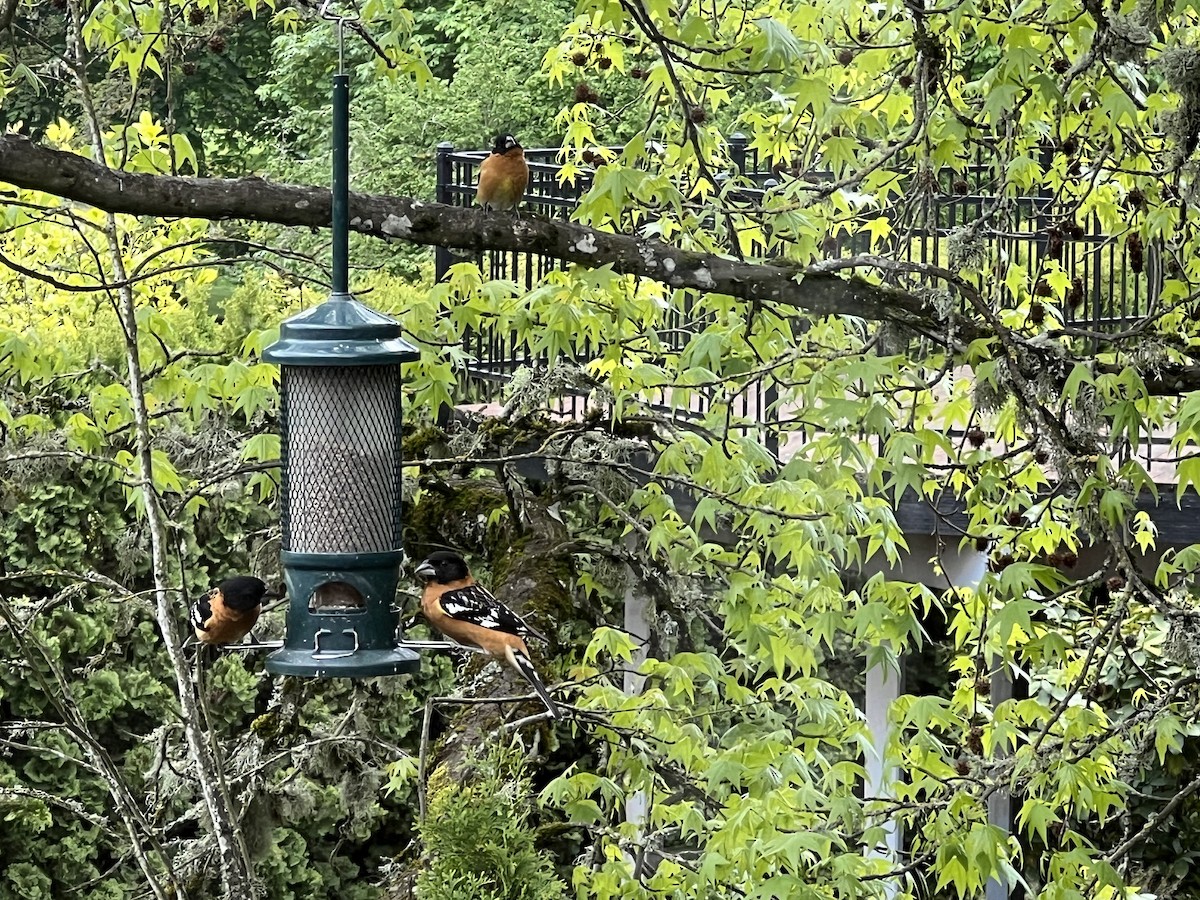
503 175
229 611
468 613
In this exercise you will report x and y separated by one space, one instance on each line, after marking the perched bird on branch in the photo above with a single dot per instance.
503 175
467 612
226 614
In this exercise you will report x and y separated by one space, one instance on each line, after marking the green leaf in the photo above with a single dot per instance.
264 447
1035 817
614 643
1168 736
1081 374
1187 472
781 47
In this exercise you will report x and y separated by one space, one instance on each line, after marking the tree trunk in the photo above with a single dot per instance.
531 570
235 864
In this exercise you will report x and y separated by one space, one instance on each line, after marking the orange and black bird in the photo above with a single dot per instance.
226 614
467 612
503 175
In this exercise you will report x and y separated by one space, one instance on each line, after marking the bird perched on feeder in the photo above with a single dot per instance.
467 612
228 612
503 175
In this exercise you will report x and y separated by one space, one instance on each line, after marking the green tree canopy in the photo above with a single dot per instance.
963 274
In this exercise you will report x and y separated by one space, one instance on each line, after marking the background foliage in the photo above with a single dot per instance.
746 744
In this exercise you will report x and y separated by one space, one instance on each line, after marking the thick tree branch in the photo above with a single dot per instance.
815 291
530 574
28 165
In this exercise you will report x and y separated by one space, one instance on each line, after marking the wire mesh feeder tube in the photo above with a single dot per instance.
342 488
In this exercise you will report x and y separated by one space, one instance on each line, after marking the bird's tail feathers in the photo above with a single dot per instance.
534 633
524 665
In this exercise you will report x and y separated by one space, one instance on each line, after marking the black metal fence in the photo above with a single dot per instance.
1110 288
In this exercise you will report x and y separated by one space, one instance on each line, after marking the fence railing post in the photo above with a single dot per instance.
738 143
445 174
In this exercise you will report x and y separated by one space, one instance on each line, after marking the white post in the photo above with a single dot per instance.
1000 802
885 682
638 615
927 562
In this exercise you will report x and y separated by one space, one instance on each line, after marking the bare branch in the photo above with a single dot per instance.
8 9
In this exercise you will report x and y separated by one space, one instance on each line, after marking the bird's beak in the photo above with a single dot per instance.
425 570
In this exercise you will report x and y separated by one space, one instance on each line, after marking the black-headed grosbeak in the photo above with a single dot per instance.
468 613
226 614
503 176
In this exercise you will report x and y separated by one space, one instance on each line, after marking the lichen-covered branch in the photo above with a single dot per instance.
27 164
816 290
528 573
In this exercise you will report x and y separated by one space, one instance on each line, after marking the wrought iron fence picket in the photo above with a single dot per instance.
1020 227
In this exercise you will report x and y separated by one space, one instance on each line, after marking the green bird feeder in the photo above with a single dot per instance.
340 397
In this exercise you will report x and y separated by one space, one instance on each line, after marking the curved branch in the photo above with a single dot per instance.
29 165
815 290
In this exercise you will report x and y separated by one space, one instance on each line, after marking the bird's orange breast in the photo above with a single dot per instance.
502 179
489 641
225 625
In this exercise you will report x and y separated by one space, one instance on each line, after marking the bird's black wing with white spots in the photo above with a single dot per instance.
477 605
201 611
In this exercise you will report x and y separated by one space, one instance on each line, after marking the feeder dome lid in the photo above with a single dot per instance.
340 332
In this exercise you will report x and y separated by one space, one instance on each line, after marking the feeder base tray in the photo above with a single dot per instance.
358 664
